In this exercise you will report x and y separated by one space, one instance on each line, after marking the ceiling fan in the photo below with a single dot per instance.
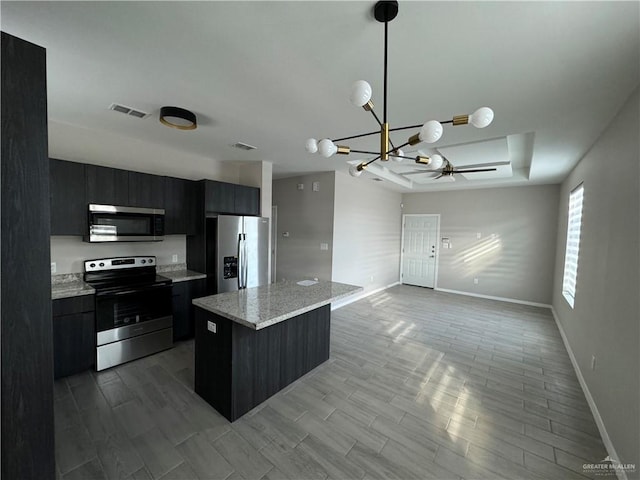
447 170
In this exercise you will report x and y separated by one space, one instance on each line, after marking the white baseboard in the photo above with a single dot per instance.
489 297
622 475
355 298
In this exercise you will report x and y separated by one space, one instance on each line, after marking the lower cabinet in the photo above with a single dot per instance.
183 313
74 335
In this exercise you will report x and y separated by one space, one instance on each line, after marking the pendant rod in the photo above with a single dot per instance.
386 26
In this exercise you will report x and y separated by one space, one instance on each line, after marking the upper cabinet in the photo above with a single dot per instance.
247 200
68 198
75 185
106 186
145 190
221 197
180 206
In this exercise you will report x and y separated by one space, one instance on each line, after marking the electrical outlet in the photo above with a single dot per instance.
54 267
212 327
476 281
478 235
315 186
174 258
593 362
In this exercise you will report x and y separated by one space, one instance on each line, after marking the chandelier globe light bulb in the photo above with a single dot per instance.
354 172
326 147
311 145
431 131
436 162
360 93
481 118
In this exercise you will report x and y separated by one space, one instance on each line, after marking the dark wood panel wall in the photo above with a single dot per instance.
26 340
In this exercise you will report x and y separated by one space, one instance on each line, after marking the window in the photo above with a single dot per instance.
573 245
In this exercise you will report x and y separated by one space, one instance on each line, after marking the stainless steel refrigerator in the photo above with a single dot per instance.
238 252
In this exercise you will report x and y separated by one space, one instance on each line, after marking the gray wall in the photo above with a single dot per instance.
308 217
605 320
366 234
518 229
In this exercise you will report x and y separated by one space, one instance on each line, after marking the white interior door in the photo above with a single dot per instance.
420 249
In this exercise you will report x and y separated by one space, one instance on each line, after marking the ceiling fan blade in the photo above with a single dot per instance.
422 172
476 170
485 165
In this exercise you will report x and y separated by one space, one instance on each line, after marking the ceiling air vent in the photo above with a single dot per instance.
243 146
127 110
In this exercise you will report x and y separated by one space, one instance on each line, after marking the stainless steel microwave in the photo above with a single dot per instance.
111 223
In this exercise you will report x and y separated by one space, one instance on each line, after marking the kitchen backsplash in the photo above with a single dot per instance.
69 253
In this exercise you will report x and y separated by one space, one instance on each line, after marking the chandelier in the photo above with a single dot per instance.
430 132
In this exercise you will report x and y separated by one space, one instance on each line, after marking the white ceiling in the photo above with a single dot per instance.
272 74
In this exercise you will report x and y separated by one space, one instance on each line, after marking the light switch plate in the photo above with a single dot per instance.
324 246
54 267
212 327
174 258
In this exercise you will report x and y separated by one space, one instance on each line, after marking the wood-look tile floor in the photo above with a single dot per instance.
420 384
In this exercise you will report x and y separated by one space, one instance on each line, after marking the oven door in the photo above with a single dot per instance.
128 312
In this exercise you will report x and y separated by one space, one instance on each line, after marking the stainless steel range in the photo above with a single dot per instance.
134 314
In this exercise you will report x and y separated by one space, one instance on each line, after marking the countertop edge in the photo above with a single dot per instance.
275 320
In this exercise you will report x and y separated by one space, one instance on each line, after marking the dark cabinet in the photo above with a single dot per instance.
74 335
219 197
229 198
246 200
68 198
146 190
183 310
106 186
180 206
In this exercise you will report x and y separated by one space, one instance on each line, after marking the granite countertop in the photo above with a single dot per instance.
72 285
69 285
260 307
179 274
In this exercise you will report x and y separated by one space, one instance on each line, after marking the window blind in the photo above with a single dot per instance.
572 249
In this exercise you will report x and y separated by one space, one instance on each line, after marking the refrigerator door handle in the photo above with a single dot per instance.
245 261
239 266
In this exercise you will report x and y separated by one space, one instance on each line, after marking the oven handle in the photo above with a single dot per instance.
130 291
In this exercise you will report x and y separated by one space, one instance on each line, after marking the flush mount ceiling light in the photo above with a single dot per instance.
430 132
179 118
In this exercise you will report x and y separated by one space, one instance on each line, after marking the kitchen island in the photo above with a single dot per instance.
252 343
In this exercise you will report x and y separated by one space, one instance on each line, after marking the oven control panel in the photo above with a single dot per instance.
99 264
